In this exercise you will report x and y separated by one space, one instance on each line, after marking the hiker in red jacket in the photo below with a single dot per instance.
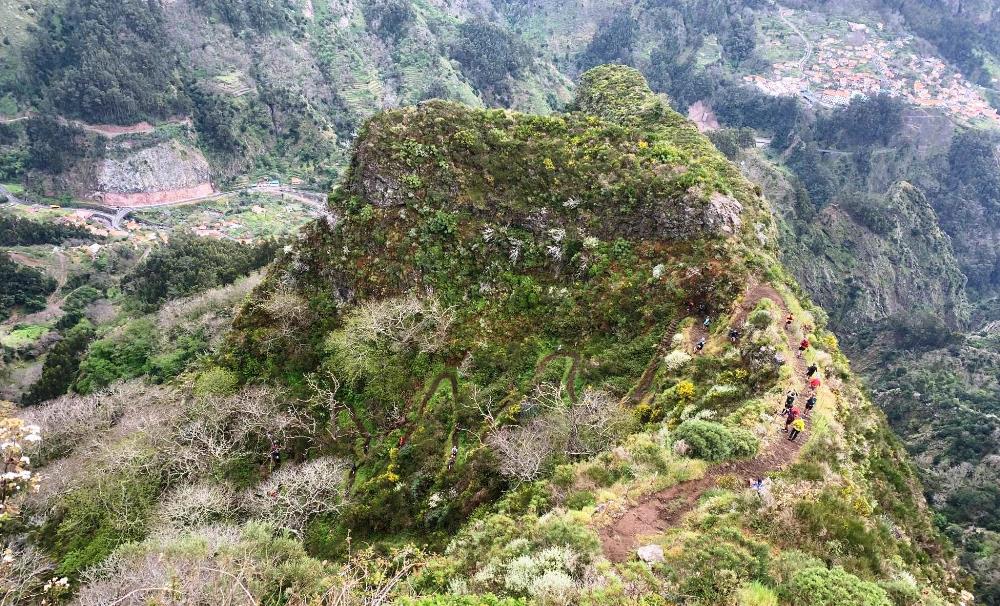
814 383
803 345
792 415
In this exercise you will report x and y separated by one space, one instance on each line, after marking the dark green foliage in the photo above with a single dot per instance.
123 354
261 15
613 42
715 442
730 141
189 264
388 18
920 329
54 146
61 364
15 231
106 61
717 562
865 121
739 40
22 286
873 211
972 170
490 57
84 530
748 106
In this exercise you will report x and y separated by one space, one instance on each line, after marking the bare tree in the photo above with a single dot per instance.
522 450
594 423
293 495
23 573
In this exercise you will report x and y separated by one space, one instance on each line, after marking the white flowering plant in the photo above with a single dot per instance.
15 475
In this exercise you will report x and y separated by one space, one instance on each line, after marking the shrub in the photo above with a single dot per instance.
819 586
715 442
216 381
745 444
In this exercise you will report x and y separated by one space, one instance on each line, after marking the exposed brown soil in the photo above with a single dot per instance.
156 198
664 509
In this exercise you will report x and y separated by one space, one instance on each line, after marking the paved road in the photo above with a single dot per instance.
115 215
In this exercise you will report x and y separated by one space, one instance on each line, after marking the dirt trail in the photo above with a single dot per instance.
664 509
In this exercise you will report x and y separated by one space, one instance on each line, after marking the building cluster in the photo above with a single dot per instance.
861 62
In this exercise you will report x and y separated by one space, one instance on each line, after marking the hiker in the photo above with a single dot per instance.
814 383
789 403
811 370
810 404
798 426
788 321
354 470
734 334
803 345
757 485
701 345
451 459
793 415
275 453
708 320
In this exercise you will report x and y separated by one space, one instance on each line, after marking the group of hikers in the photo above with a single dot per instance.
794 419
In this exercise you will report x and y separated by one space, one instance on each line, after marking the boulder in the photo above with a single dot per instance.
651 554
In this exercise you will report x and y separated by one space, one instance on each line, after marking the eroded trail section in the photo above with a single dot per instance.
664 509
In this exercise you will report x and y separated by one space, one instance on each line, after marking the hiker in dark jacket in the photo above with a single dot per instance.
810 404
811 370
701 345
734 334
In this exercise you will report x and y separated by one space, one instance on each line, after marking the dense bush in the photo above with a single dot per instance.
715 442
123 354
61 364
865 121
819 586
490 56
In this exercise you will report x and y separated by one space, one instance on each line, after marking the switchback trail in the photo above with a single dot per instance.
664 509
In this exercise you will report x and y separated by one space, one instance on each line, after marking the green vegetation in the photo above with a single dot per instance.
106 61
24 286
189 264
61 364
715 442
15 231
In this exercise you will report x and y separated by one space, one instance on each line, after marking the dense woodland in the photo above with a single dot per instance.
24 287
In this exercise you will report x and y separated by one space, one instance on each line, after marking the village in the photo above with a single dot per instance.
851 59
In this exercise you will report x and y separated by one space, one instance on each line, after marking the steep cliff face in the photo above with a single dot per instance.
868 259
157 172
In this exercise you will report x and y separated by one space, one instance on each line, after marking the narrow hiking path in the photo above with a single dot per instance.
661 510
